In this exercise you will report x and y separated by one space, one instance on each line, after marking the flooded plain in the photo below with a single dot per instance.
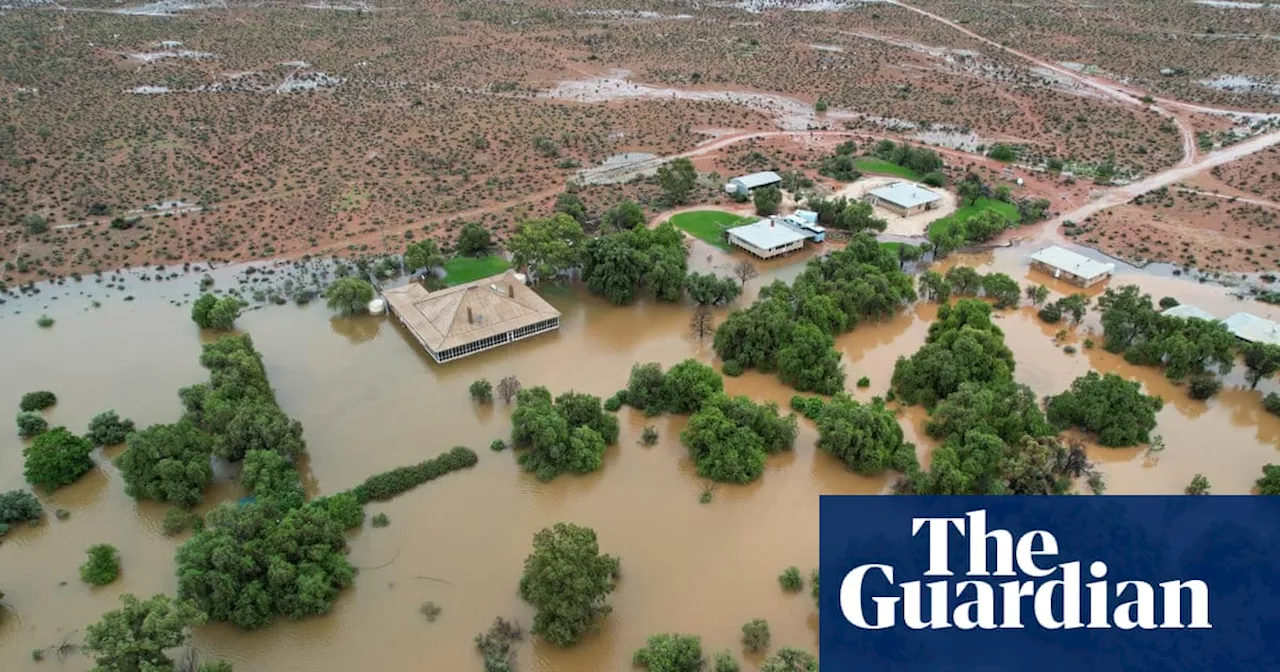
370 400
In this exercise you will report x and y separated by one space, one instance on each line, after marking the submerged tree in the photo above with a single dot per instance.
867 438
1109 406
702 326
671 653
167 463
56 458
567 580
134 637
349 295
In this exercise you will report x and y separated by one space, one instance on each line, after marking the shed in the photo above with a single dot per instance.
1077 269
767 239
1186 311
904 198
747 183
1253 329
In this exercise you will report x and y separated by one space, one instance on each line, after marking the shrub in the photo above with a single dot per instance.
381 520
18 506
102 567
788 659
567 435
650 435
108 429
167 463
177 519
31 424
790 580
349 295
725 662
864 382
37 401
272 481
44 322
671 653
482 390
732 368
1271 403
56 458
614 404
388 484
1069 349
498 445
729 438
1269 484
755 635
496 645
210 312
1168 302
1111 407
866 437
1051 313
430 610
1204 386
1199 485
342 508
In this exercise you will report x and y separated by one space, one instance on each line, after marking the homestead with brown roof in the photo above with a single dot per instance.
473 317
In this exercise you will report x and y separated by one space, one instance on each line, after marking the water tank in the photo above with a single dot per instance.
377 306
730 188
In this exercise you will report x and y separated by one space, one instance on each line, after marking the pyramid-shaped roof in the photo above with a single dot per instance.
469 312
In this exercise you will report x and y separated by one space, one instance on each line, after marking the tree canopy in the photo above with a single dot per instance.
134 637
711 289
18 506
1262 361
683 389
617 265
767 200
677 179
853 215
473 240
167 463
963 345
546 247
567 580
423 254
56 458
1183 346
211 312
980 463
108 429
788 659
920 159
348 295
728 438
671 653
567 435
866 437
809 361
1109 406
1004 408
625 216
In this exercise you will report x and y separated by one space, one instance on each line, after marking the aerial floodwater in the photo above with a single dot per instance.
370 399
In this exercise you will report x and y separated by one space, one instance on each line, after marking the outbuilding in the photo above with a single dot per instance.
767 239
1253 329
904 198
1187 311
748 183
1074 268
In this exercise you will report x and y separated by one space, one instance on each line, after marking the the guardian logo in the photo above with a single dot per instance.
1051 594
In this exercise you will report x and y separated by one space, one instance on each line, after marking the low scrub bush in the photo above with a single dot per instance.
37 401
102 567
391 483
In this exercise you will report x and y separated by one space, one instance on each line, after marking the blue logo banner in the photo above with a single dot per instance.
1086 584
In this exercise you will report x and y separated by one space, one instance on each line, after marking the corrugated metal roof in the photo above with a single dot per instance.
766 235
1187 310
1075 264
1253 329
758 179
905 194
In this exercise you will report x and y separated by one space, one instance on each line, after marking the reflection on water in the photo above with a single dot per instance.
370 400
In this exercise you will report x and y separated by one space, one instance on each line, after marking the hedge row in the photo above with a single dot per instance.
388 484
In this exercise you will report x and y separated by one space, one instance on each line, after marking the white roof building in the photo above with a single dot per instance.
1071 263
905 195
753 181
766 238
1253 329
1185 311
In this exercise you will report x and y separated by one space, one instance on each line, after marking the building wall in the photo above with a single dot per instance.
762 253
1067 276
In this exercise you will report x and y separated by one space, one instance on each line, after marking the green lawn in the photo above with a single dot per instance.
465 269
709 225
870 164
892 247
941 226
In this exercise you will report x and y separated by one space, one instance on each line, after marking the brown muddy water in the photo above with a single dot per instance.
371 400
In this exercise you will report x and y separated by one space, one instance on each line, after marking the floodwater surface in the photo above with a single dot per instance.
371 400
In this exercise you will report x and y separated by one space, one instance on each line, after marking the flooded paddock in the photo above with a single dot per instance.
370 399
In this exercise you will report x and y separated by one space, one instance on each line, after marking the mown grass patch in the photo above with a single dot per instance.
944 225
871 164
709 225
465 269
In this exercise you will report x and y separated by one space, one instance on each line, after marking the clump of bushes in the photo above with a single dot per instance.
176 519
31 424
790 580
381 520
108 429
568 434
864 382
210 312
650 435
729 438
102 567
430 610
497 645
683 389
388 484
56 458
1204 386
18 506
809 407
755 635
37 401
482 391
498 445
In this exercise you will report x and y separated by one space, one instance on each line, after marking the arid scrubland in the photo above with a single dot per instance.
1258 174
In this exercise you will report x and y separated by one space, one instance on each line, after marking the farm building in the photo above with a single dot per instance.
767 239
748 183
800 221
1074 268
904 198
473 317
1253 329
1188 311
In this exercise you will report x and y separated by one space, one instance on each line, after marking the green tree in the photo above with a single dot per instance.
473 240
1075 305
482 391
964 281
30 424
613 267
788 659
135 637
963 345
809 361
102 567
349 295
167 463
725 662
1005 409
259 424
1109 406
767 200
1003 153
646 388
934 287
424 254
18 506
790 580
1269 484
56 458
984 226
677 179
210 312
292 566
711 289
571 205
1262 361
867 438
272 480
688 385
37 401
108 429
728 439
1199 485
1037 293
755 634
671 653
35 225
567 580
568 435
1002 288
547 246
625 216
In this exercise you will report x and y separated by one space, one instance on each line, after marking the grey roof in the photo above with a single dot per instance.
1071 262
767 235
758 179
1187 310
1253 329
905 194
797 221
807 215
